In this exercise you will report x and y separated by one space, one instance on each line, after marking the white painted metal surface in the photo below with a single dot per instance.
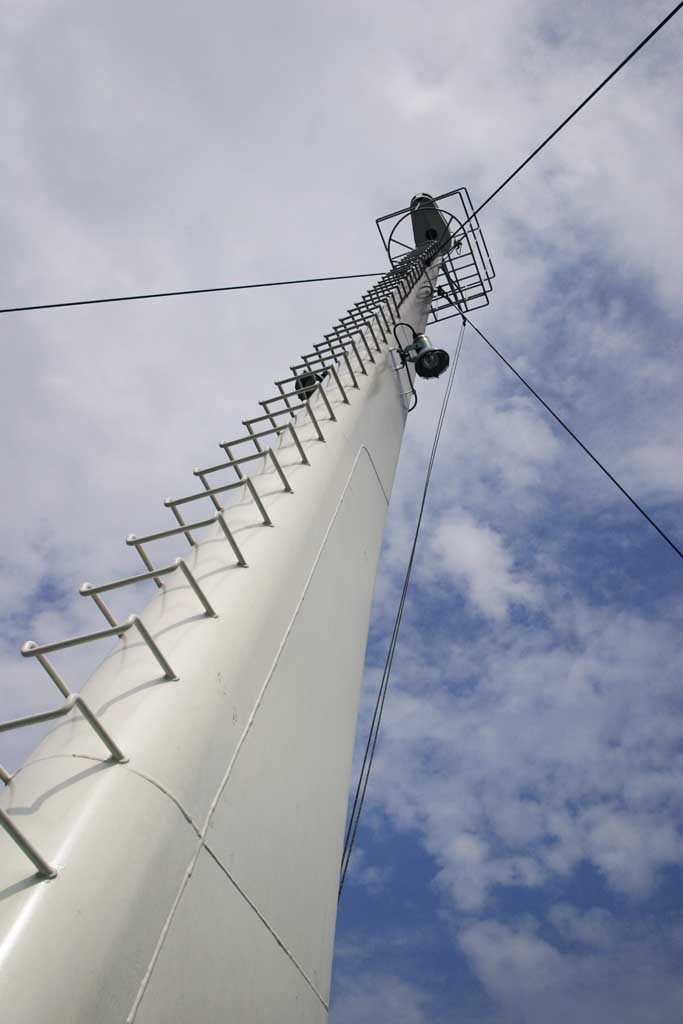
197 882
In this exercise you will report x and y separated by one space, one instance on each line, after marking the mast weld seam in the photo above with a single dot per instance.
147 977
268 926
127 767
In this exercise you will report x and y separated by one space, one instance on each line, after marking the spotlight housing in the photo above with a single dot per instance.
432 363
428 361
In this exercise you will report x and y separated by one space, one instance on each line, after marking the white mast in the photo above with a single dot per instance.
196 880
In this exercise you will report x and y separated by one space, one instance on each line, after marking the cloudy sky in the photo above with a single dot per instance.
519 858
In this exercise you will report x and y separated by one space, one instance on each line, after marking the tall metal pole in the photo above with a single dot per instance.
191 801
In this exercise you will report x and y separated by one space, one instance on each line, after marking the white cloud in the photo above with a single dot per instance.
630 847
475 556
362 871
632 980
527 771
516 965
367 999
594 927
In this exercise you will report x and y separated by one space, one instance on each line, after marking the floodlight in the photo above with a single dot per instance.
432 363
428 361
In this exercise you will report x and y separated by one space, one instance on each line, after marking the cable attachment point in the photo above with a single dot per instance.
441 291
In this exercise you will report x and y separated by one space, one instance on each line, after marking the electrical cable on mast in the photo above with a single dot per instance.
373 734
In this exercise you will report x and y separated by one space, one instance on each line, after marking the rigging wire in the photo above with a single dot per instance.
371 743
346 277
188 291
566 428
574 112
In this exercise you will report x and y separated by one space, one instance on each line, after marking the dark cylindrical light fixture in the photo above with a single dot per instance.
429 361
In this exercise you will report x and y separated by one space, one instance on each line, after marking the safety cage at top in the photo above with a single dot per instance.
467 272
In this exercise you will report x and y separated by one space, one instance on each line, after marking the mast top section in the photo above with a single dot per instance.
446 223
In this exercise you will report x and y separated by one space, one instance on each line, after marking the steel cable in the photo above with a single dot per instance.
371 743
573 114
187 291
568 429
345 277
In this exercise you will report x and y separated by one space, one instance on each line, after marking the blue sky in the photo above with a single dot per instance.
519 858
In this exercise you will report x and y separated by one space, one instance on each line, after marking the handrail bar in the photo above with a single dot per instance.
73 701
278 429
133 540
247 482
88 590
44 869
284 411
317 388
231 462
170 502
33 650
